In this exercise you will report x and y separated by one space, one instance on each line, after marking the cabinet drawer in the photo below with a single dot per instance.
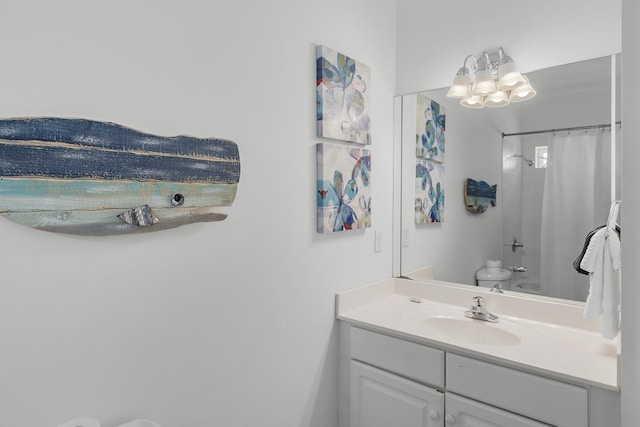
547 400
408 359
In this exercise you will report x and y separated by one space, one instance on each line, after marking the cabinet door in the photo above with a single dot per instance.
463 412
382 399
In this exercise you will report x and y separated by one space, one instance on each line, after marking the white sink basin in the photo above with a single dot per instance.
452 325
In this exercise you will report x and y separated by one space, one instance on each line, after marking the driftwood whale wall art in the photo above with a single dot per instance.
478 195
87 177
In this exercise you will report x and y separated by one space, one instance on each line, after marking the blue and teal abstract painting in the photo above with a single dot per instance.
430 129
429 203
87 177
344 188
343 96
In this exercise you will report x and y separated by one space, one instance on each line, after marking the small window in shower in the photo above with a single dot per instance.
541 156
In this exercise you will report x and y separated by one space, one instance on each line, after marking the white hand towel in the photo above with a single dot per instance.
593 262
611 287
595 246
602 261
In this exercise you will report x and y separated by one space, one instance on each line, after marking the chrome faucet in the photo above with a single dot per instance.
519 269
479 311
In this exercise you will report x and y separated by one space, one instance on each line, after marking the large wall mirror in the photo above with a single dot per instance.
551 160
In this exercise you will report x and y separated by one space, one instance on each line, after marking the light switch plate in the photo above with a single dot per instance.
377 246
405 237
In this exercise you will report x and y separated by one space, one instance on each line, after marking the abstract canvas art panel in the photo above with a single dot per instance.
344 188
429 192
343 92
430 129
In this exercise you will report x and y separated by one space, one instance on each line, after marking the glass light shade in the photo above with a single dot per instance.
497 99
460 88
522 92
484 84
508 76
474 101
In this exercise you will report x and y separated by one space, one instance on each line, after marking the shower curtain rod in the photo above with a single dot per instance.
534 132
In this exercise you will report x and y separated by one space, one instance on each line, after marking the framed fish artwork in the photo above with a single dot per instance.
429 203
343 188
86 177
343 97
430 129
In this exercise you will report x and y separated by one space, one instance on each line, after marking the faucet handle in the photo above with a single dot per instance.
515 244
478 311
479 302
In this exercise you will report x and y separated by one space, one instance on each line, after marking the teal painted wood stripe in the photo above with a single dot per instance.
26 194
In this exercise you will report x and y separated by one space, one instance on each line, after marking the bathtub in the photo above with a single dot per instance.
526 287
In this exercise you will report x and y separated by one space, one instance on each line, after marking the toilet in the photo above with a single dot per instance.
493 274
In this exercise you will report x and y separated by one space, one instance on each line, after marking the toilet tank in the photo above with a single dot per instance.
492 274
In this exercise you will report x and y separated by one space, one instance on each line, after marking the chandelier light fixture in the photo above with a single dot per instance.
490 83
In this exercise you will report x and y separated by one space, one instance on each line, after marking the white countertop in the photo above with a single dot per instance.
544 336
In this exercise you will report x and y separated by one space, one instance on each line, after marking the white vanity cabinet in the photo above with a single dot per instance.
396 382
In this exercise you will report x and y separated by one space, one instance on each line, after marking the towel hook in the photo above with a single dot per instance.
613 214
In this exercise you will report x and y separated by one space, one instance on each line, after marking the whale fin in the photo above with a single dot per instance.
142 216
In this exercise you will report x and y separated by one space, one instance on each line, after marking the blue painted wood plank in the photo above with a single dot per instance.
90 133
72 163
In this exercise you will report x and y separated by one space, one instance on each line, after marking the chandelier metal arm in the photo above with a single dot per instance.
474 66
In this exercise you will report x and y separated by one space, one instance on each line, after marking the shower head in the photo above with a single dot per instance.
529 162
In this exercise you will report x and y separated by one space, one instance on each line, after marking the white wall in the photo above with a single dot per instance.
218 324
630 211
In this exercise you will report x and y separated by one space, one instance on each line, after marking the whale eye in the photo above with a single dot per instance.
177 199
